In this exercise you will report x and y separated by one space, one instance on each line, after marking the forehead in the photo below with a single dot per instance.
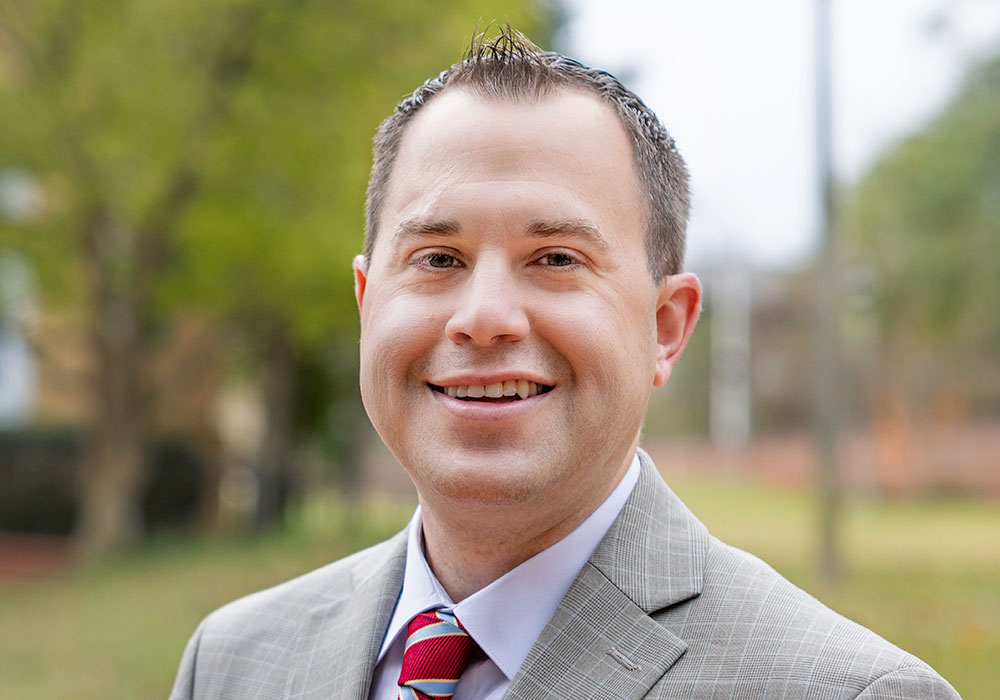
568 143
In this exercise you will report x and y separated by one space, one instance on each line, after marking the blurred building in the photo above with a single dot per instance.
741 398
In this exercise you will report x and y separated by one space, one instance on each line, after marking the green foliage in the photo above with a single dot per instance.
213 157
243 127
209 157
929 215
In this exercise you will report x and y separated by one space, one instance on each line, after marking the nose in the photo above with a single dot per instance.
488 309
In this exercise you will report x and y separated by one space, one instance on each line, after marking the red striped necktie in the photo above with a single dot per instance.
437 652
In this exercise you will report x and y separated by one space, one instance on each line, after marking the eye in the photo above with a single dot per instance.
557 259
441 260
437 260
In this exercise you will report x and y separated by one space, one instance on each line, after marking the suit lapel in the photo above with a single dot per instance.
336 652
598 644
601 642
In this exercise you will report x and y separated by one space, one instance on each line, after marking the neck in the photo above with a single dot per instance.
470 545
466 554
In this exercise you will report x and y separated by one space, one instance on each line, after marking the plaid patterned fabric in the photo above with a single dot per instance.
662 610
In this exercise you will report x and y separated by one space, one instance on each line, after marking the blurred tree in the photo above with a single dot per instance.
212 156
929 216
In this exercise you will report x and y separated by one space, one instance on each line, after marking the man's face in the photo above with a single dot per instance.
510 262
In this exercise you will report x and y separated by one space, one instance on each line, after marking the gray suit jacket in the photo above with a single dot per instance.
661 610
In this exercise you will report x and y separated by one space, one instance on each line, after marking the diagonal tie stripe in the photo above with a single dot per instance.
436 653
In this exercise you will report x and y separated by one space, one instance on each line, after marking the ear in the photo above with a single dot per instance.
678 303
360 266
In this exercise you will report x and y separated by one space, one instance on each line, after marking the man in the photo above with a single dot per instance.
520 295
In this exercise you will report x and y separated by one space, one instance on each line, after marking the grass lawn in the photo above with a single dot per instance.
926 575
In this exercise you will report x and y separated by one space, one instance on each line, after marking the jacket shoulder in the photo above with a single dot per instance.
909 682
284 604
250 642
752 631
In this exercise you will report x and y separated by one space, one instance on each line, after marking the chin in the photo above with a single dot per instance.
486 480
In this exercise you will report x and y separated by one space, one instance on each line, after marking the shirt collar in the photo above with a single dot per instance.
533 589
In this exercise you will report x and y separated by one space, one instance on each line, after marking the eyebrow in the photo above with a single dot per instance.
564 228
416 228
568 228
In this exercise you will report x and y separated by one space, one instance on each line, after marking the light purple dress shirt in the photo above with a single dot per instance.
506 617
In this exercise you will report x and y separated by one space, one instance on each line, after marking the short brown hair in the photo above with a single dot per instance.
510 66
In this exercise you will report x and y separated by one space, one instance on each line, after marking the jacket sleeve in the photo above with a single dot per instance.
184 683
911 683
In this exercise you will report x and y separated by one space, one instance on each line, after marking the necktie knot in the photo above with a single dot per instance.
436 654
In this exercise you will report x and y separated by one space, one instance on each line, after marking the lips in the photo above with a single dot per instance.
506 390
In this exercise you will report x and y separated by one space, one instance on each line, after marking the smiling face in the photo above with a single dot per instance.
511 332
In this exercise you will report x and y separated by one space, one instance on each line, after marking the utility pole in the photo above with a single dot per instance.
729 384
827 337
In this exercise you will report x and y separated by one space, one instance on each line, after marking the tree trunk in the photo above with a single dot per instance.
121 267
275 467
348 423
114 464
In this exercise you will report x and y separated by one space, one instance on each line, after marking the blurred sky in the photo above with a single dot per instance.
733 81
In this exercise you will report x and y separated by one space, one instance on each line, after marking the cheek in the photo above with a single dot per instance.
610 341
396 339
634 322
390 349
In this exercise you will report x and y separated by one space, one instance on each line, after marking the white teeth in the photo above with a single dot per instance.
522 388
508 387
